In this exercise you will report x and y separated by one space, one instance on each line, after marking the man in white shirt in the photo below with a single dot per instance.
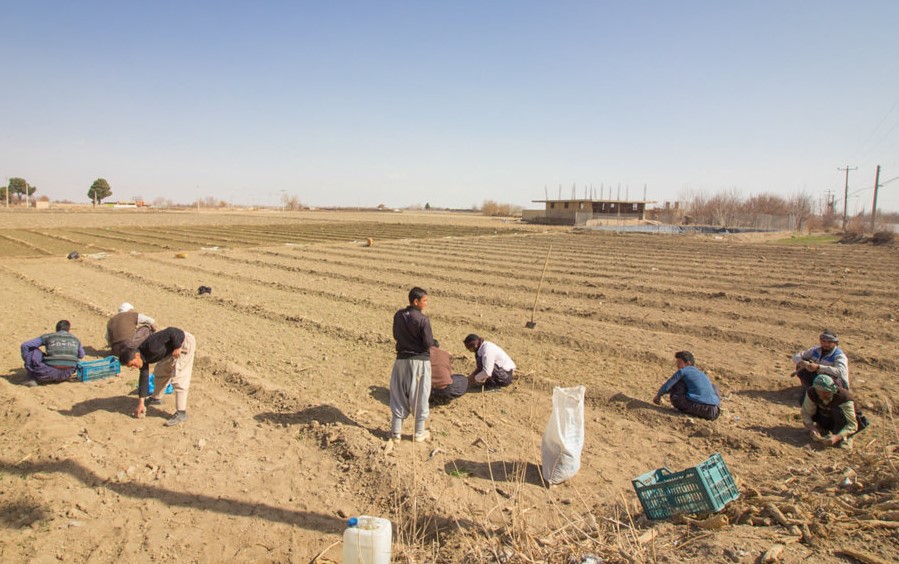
494 367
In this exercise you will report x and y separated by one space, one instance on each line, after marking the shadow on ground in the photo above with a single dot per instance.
498 471
324 414
787 396
634 403
796 436
192 500
380 393
113 404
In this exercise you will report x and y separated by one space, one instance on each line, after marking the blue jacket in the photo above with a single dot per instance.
699 387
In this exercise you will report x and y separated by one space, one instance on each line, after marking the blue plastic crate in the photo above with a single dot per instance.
96 369
704 488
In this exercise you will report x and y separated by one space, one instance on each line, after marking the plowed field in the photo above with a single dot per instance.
288 416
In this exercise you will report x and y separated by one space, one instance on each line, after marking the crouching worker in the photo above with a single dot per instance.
826 358
173 351
444 384
59 359
828 412
494 368
128 328
690 390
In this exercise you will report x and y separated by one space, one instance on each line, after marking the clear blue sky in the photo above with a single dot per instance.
449 103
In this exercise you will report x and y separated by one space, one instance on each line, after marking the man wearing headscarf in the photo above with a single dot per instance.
128 329
444 384
828 412
827 358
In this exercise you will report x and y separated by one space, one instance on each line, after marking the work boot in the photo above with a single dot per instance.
177 419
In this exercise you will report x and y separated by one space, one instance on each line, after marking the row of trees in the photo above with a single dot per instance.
19 190
730 209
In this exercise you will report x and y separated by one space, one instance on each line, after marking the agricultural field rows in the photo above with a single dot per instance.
288 407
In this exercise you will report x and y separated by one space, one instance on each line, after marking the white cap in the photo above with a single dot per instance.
125 307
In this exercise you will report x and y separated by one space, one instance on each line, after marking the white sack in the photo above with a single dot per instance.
563 439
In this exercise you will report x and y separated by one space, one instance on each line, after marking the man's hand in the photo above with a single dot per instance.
816 436
176 353
141 409
657 400
834 440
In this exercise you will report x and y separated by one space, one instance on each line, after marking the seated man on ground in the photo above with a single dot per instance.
58 360
127 329
690 390
826 358
444 384
828 412
494 367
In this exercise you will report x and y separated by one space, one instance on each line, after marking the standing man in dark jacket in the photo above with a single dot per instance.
173 350
410 380
58 360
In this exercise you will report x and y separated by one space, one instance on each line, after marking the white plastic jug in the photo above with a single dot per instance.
366 540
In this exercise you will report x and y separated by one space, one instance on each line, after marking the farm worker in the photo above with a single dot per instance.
828 412
127 329
58 360
826 358
173 350
494 368
690 390
445 384
410 380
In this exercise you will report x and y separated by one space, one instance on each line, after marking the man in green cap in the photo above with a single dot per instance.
828 412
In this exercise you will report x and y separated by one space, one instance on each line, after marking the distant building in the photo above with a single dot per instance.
586 212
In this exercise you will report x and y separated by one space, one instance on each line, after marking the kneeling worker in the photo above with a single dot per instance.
445 384
495 368
173 350
690 389
828 412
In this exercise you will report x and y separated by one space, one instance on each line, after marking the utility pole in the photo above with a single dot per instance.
874 205
846 193
7 193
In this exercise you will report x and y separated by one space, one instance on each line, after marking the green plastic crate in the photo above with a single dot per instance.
704 488
96 369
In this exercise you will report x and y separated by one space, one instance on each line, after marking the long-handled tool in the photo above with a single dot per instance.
531 324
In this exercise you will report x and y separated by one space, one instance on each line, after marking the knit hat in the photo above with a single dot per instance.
125 307
825 383
828 335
